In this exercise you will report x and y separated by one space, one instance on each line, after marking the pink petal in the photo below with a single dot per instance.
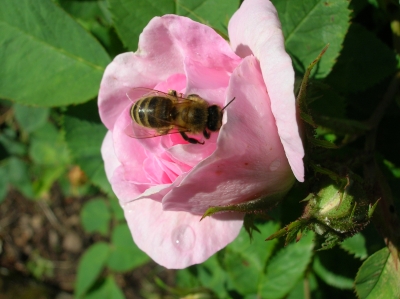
128 191
249 161
108 153
176 82
208 82
191 154
178 239
163 45
128 150
255 28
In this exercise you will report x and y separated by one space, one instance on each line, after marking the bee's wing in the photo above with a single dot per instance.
137 93
135 131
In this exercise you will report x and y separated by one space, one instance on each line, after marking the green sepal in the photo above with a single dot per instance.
372 208
308 119
337 211
291 231
322 170
255 206
331 240
323 143
342 126
301 97
249 226
305 113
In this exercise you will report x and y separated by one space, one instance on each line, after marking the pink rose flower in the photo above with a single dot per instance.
165 184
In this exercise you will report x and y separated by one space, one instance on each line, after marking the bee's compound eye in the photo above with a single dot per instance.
214 121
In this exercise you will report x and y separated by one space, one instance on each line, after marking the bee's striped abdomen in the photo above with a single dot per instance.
153 112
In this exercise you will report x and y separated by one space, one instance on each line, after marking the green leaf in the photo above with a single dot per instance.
117 211
356 246
88 10
331 278
87 111
327 101
303 287
30 118
356 69
40 267
46 58
95 17
45 177
298 290
11 145
187 278
108 289
125 255
95 216
90 267
84 140
286 268
18 176
130 17
210 12
212 276
379 277
244 261
48 147
3 182
308 26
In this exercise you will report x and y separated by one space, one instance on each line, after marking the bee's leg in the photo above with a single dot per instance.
173 93
190 139
163 131
206 134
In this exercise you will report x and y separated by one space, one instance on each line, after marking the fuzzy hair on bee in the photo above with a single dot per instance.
156 113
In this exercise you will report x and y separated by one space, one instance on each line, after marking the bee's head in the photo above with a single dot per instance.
214 120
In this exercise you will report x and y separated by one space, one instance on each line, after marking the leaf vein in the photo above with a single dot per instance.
296 28
57 50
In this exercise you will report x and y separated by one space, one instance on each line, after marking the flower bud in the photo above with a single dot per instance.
337 211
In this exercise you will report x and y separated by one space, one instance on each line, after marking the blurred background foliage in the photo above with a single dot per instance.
62 231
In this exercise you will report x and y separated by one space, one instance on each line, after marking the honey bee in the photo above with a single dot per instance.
156 113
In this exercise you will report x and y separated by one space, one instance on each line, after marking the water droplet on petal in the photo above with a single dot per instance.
183 237
275 165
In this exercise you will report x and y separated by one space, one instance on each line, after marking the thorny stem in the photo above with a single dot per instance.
385 217
375 118
374 121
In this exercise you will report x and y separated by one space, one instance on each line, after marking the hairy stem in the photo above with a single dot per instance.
385 217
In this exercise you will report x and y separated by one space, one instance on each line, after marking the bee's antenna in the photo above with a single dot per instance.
227 104
128 97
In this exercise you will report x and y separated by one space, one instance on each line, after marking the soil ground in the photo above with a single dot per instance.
40 246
